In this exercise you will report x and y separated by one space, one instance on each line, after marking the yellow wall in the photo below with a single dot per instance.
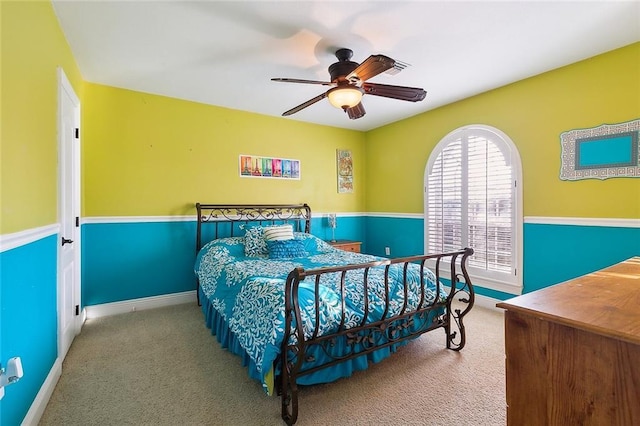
153 155
33 46
533 113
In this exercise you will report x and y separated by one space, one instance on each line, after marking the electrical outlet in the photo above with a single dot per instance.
387 251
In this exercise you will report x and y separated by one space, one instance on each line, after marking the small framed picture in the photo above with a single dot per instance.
268 167
345 170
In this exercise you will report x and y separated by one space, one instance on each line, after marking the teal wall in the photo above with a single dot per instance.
556 253
123 261
403 236
28 321
552 253
1 322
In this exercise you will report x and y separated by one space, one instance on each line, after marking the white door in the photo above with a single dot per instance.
68 214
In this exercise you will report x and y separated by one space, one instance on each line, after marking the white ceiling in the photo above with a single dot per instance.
224 53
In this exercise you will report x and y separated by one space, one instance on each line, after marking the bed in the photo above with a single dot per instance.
301 312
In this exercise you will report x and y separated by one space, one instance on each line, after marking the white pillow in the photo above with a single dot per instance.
278 233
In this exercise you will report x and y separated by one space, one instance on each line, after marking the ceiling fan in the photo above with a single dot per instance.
349 83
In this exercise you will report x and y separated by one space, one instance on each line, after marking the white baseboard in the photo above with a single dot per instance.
487 302
114 308
482 301
44 394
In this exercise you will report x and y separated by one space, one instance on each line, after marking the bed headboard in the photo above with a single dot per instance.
225 219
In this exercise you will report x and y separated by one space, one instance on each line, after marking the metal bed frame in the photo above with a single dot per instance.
366 337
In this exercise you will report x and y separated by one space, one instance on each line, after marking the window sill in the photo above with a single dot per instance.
496 285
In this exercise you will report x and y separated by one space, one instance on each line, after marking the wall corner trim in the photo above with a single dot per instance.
22 238
396 215
584 221
136 219
185 218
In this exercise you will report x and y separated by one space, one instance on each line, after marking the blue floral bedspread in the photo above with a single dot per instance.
247 293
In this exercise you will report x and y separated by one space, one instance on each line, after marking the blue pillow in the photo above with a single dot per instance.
285 249
312 244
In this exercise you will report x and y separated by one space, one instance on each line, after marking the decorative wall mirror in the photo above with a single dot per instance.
606 151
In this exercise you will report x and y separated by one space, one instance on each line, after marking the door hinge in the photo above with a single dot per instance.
77 133
77 222
77 310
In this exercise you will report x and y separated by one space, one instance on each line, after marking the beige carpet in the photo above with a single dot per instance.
163 367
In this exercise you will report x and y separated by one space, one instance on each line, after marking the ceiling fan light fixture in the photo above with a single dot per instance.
345 97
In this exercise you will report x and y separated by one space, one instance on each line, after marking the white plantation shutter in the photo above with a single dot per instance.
472 200
445 201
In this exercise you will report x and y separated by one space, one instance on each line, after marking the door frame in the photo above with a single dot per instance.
65 85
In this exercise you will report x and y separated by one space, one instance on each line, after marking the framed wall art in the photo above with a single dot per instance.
268 167
606 151
345 170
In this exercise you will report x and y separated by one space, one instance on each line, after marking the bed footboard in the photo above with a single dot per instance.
416 313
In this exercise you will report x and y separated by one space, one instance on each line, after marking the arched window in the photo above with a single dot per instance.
473 198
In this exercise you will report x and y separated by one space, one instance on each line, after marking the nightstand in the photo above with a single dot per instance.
346 245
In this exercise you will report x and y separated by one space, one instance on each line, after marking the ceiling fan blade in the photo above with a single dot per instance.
305 104
356 111
297 80
412 94
372 66
397 67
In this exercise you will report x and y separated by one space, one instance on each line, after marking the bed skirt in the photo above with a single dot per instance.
219 328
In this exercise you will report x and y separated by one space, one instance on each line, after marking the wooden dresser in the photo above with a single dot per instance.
346 245
573 351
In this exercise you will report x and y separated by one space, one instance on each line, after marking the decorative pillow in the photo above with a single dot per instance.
312 244
254 242
278 233
285 249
